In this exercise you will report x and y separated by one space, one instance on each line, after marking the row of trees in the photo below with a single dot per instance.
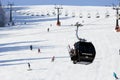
2 16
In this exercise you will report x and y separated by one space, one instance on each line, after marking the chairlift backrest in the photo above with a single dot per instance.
89 16
97 15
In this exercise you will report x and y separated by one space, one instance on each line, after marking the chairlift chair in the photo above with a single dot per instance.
73 14
89 16
107 14
80 15
97 15
66 13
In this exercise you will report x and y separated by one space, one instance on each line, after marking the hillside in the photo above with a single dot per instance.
31 24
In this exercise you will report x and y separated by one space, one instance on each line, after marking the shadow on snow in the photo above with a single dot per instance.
13 43
6 47
8 62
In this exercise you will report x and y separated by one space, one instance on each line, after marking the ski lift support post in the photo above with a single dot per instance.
10 5
58 13
117 28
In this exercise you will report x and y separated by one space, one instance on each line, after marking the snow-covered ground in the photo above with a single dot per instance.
31 29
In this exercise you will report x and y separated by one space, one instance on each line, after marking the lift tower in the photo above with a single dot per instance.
58 13
117 8
2 16
10 5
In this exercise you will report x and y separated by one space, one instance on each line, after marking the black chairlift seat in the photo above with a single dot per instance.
84 52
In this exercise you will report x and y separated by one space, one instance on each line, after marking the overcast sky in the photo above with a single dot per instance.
63 2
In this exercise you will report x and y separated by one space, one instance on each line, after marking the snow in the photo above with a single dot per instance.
15 41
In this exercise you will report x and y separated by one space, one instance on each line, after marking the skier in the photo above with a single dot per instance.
38 50
53 58
115 75
31 47
48 29
29 68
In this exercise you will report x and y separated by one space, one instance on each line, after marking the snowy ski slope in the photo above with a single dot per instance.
31 27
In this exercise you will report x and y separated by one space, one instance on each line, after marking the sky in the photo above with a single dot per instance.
63 2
